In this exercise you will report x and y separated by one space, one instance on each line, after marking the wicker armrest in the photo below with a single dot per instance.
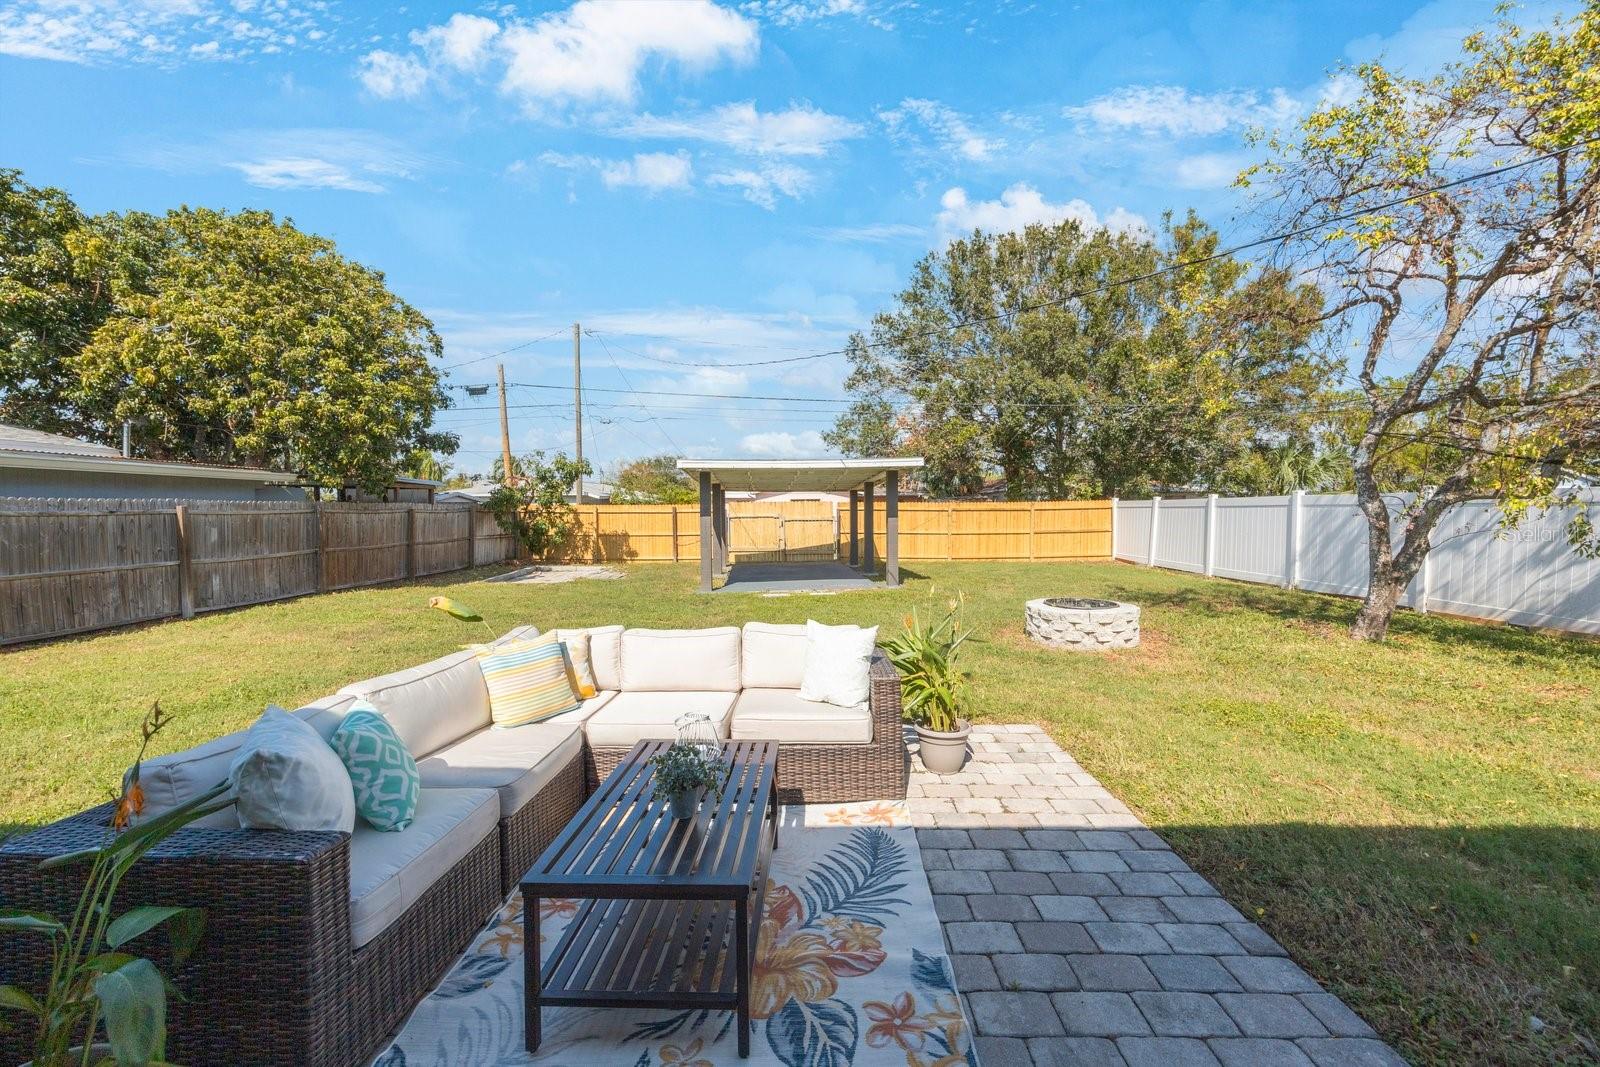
884 698
277 935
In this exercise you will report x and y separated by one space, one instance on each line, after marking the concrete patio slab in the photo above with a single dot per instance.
771 578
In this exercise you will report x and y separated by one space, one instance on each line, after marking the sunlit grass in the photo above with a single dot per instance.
1419 822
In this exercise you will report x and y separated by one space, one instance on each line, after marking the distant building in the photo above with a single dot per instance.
402 489
35 464
593 493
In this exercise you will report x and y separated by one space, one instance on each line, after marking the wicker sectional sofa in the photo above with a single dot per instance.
318 944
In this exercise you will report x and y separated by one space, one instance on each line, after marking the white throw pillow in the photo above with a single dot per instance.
286 777
838 659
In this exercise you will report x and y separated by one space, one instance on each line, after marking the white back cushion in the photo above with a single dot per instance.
838 662
286 777
773 655
430 705
680 660
179 777
605 656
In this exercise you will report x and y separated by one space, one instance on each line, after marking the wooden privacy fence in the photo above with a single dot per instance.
68 566
801 530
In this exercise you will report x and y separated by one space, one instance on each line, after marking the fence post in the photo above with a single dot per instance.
949 532
472 536
1114 528
1211 535
1297 522
674 533
1155 526
1425 586
411 542
322 545
1031 524
185 574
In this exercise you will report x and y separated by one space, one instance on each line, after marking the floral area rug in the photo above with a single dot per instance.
850 971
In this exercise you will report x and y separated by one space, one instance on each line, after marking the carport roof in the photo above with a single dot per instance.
785 475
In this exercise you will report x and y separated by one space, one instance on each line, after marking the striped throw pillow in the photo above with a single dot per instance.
528 680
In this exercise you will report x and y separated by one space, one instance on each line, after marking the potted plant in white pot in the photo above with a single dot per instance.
933 689
684 773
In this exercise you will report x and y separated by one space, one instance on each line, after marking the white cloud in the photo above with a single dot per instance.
798 130
462 42
1177 112
389 76
1208 170
313 158
872 233
593 52
1020 206
155 31
795 12
764 185
653 171
300 173
780 444
951 132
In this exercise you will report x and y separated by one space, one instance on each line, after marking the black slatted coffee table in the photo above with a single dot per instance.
670 908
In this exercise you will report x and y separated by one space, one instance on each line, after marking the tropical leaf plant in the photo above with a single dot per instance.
460 612
99 995
933 688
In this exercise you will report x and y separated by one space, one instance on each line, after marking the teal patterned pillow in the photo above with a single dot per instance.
381 768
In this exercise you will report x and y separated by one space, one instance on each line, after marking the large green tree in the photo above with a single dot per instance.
233 338
1074 362
652 480
49 308
1455 222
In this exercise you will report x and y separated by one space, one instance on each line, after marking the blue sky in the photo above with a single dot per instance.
695 183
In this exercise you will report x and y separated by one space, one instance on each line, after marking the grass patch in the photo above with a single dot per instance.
1418 822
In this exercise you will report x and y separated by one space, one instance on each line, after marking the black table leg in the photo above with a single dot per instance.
741 951
776 815
530 971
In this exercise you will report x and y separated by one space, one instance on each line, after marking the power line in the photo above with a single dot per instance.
503 351
676 447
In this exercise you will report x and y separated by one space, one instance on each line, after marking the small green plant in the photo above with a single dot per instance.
532 505
94 982
933 688
683 768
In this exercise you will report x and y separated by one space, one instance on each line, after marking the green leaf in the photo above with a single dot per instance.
15 921
133 1001
185 929
130 924
15 999
454 609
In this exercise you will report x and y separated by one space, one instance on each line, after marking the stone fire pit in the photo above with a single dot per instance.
1083 625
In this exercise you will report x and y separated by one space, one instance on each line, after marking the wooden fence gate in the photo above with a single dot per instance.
800 531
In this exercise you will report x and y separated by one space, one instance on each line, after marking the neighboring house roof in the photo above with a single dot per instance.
30 449
19 439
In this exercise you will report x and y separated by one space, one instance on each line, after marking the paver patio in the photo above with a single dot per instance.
1079 936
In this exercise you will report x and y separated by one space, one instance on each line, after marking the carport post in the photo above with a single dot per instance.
891 528
719 519
869 552
855 546
706 536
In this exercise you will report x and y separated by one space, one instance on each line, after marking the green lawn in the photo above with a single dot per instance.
1418 822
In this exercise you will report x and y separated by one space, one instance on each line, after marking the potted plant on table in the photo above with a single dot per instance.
102 1004
933 689
684 773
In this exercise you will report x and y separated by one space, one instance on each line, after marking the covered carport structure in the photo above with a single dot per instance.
859 477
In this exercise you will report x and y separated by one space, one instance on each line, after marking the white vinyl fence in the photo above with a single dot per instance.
1528 575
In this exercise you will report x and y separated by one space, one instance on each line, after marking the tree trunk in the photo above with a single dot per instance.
1377 608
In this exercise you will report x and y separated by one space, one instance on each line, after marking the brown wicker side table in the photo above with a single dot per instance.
671 908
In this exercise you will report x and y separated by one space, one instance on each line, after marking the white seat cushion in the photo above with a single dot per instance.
517 763
701 661
582 713
773 655
632 717
782 715
390 871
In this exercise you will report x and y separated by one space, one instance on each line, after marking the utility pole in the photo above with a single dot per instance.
577 406
505 431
